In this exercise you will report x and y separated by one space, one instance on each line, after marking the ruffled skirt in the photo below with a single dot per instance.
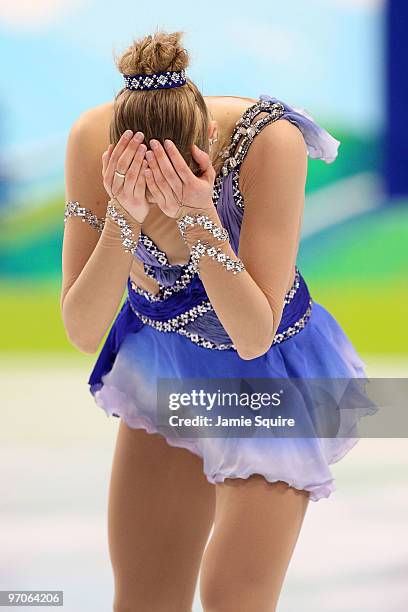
319 351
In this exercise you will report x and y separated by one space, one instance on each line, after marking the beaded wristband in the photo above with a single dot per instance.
73 209
204 220
126 233
199 249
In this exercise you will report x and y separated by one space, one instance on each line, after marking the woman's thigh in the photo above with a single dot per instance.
256 528
161 510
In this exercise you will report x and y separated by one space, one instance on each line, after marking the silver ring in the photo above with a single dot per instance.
120 174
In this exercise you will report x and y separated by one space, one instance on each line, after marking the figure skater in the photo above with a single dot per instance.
193 205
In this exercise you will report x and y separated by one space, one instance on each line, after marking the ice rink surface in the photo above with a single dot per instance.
55 457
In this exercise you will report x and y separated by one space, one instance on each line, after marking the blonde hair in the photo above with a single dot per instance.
179 113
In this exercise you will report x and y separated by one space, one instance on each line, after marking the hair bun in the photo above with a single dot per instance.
154 53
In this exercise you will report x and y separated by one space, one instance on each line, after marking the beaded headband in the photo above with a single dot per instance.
156 80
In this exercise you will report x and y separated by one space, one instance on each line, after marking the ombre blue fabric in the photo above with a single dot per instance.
136 355
208 325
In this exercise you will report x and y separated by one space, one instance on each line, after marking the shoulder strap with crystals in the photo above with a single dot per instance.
247 127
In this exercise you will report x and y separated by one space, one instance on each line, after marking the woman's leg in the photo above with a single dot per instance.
161 509
256 528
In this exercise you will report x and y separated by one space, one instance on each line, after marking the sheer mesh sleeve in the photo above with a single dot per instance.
272 180
95 266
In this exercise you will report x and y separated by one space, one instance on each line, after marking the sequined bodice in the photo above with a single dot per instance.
181 303
227 198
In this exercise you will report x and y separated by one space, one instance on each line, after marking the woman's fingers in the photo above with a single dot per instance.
133 171
167 168
105 161
160 180
178 161
140 184
116 153
124 161
154 189
126 157
203 160
105 158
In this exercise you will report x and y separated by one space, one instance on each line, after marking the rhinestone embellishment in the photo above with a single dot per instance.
175 323
178 323
243 135
189 221
185 279
217 189
125 232
245 131
204 342
236 193
151 247
200 249
157 80
295 286
296 328
73 209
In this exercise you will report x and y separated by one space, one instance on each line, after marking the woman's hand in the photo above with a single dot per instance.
173 184
127 157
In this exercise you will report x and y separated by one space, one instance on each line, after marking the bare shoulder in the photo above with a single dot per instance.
87 140
226 110
277 157
278 148
91 127
281 136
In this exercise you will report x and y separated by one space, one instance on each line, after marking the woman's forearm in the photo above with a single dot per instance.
241 306
91 302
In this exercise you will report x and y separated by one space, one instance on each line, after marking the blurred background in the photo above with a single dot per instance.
344 61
